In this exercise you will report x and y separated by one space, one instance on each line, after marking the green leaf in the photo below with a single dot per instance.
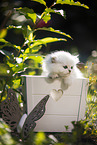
5 70
46 17
35 48
24 10
32 50
46 40
37 58
37 44
14 27
59 12
54 31
50 39
8 44
6 53
18 67
71 2
49 10
29 34
40 1
3 33
17 47
32 16
3 40
29 13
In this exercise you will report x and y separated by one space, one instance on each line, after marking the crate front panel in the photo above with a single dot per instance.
70 107
37 88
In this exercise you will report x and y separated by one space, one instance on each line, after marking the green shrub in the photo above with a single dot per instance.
25 58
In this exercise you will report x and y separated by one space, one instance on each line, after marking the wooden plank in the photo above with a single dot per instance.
55 123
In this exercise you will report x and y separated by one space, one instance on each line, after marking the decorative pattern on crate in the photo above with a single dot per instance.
70 107
18 122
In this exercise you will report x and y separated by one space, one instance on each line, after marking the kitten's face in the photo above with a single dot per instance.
63 65
67 69
63 70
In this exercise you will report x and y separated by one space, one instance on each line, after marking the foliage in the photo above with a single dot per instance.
91 108
26 59
5 136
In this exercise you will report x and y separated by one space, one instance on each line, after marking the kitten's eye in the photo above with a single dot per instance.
65 66
71 67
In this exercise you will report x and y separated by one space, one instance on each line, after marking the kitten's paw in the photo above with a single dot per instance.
68 82
53 76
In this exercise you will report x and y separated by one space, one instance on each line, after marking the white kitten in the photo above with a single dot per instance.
63 65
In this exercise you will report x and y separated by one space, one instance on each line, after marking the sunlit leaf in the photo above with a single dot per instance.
18 67
40 138
46 40
29 13
8 44
3 33
25 10
54 31
17 47
14 27
27 50
40 1
6 53
32 16
49 10
16 84
50 39
46 17
4 70
32 49
71 2
32 73
29 33
10 64
60 12
3 40
35 48
37 58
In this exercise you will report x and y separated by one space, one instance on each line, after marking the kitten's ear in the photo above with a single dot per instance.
53 59
76 59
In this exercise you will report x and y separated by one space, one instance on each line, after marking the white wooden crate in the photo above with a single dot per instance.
70 107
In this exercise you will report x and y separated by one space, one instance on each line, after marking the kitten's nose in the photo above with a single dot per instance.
69 71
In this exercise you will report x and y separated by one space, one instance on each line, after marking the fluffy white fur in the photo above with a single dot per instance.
63 65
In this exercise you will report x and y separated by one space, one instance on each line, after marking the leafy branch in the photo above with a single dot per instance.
27 57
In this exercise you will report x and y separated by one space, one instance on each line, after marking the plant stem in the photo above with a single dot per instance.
6 19
2 94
